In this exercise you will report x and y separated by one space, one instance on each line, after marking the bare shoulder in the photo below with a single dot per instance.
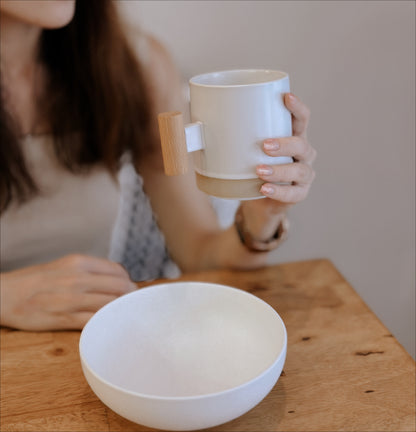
165 84
162 74
159 56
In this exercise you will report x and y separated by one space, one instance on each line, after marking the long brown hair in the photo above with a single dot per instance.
95 87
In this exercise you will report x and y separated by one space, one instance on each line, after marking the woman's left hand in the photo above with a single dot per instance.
262 216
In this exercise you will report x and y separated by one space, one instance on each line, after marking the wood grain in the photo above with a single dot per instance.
172 139
344 370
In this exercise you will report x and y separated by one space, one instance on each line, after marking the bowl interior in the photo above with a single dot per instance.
182 339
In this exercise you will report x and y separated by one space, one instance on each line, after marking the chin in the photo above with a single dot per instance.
48 14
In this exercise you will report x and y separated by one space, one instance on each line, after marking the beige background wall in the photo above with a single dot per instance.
353 63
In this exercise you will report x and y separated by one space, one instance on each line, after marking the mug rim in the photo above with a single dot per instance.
202 80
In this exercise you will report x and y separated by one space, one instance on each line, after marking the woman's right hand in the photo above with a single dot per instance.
61 294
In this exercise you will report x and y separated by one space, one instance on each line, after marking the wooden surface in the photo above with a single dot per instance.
173 141
344 370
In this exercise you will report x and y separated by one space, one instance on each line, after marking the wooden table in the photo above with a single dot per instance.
344 370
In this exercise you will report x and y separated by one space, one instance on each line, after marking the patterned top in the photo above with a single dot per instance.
137 242
91 213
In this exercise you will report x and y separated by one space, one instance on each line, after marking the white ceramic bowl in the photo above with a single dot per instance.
184 355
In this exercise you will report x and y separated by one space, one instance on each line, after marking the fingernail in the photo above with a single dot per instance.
267 189
271 144
264 170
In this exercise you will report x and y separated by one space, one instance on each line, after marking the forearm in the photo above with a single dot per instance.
244 245
190 226
224 250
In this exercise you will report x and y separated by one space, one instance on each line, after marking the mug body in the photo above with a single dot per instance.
238 110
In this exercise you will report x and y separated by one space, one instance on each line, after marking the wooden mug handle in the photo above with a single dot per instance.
172 138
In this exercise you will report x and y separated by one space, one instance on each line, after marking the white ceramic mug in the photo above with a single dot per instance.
232 113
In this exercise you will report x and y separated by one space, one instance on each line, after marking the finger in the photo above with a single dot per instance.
285 194
295 146
80 295
81 318
71 321
300 114
98 283
95 265
108 284
91 302
293 174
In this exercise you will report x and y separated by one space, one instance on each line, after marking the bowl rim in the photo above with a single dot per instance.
116 387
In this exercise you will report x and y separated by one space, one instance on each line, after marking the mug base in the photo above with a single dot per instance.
246 189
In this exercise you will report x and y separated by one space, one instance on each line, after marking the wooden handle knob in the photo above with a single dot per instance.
172 138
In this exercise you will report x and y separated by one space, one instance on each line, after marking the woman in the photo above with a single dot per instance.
78 112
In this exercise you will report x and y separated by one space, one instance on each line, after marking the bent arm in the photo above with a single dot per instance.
185 214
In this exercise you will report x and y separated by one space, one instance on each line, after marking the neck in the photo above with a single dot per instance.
21 74
19 45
